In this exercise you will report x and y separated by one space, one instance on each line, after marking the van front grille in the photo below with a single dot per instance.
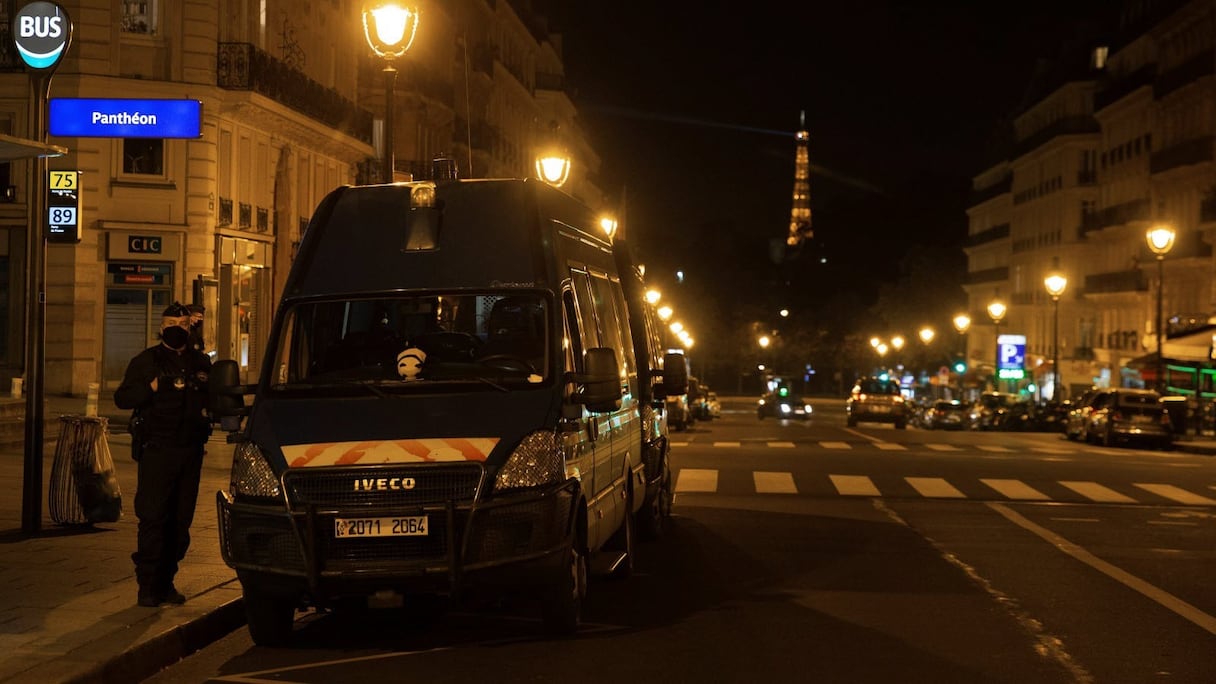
388 486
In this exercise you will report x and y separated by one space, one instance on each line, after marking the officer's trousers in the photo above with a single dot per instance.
165 498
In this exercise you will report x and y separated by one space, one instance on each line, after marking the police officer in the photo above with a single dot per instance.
196 326
167 386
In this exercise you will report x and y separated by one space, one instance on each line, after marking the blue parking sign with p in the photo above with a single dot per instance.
1012 352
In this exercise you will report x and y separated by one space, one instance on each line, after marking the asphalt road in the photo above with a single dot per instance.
808 551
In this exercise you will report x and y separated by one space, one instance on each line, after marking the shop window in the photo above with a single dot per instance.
143 156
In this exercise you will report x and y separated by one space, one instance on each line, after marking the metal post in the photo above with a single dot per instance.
996 367
390 160
1160 324
31 499
1055 350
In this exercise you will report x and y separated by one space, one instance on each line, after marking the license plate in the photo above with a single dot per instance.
411 526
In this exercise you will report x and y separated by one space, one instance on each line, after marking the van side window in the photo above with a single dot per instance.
572 345
586 309
622 319
610 324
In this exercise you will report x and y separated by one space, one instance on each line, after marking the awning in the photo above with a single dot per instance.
12 148
1193 346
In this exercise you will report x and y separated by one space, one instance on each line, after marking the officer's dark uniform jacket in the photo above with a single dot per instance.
174 415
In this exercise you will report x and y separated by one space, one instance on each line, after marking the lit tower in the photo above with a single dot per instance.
800 213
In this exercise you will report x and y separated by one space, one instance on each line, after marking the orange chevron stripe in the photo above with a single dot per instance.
470 452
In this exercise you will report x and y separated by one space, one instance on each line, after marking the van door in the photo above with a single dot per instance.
597 479
614 327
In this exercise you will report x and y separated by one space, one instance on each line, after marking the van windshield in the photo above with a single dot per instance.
493 339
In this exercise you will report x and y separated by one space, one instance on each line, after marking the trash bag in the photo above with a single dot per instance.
97 484
84 486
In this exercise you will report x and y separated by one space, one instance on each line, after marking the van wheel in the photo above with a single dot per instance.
270 619
652 523
622 540
562 604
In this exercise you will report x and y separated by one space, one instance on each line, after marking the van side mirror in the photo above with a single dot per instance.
227 394
601 383
675 375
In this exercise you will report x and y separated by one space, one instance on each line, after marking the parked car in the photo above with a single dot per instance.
1077 420
714 405
1124 416
875 400
946 415
993 411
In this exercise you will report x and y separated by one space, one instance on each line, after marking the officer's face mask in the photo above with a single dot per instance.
175 336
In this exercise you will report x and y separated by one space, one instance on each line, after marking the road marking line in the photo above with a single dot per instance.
1053 450
1096 492
1162 597
679 444
1016 489
1173 522
1084 520
1176 494
695 480
862 435
890 446
774 483
854 485
781 445
1001 449
943 447
835 445
726 444
934 487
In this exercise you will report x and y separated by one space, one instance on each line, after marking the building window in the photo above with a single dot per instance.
143 156
139 16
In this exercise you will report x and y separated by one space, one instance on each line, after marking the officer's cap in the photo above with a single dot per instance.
175 310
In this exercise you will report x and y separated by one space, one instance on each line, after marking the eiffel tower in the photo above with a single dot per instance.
800 212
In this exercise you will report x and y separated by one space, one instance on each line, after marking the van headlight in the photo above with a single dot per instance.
536 462
252 475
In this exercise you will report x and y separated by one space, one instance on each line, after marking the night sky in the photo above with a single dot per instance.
693 108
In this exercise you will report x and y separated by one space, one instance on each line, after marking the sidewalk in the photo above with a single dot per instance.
67 595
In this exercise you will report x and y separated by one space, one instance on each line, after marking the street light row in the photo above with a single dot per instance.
666 313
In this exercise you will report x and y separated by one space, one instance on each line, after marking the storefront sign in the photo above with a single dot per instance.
145 244
139 274
125 118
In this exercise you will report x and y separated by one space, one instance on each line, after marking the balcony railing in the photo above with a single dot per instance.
241 66
1195 68
1001 187
990 235
1136 210
988 275
1070 125
1110 92
1117 281
1195 151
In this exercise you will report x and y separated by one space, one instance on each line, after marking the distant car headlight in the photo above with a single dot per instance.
536 462
762 402
785 408
807 408
252 475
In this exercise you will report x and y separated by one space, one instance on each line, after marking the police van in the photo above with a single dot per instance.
455 398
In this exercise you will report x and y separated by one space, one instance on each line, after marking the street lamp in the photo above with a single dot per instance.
665 313
653 296
962 323
1055 284
764 341
553 161
389 28
874 342
926 334
1160 241
996 311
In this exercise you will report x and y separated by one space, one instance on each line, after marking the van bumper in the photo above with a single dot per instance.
515 540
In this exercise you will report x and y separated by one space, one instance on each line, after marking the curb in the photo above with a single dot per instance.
149 657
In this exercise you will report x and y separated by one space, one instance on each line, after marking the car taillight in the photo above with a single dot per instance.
1116 416
861 397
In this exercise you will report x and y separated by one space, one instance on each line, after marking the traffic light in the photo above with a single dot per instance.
960 366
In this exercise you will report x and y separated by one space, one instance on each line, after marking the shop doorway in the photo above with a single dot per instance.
132 323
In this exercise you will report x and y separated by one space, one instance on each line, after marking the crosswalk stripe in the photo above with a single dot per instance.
934 487
1015 489
695 480
1096 492
781 445
890 446
835 445
774 483
854 485
726 444
1177 494
943 447
998 449
1052 450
